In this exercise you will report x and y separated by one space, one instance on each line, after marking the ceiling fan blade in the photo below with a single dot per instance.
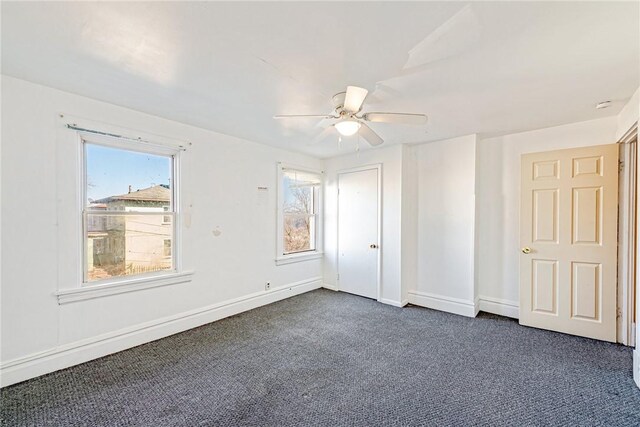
400 118
354 99
367 133
329 130
304 116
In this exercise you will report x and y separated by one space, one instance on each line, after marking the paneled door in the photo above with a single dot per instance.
358 224
568 237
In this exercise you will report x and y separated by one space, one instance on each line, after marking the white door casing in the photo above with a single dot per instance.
627 242
358 231
568 237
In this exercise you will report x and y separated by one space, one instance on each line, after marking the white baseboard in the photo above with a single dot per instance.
67 355
636 366
382 300
330 287
443 303
393 303
499 306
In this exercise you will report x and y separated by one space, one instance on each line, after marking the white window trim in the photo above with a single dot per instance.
299 257
281 257
89 290
137 283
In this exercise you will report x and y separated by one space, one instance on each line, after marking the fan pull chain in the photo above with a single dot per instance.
339 142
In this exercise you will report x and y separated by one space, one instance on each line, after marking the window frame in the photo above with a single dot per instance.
288 258
138 147
69 163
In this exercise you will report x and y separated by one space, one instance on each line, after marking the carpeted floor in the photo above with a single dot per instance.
333 359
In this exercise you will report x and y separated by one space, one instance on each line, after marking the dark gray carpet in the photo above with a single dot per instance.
333 359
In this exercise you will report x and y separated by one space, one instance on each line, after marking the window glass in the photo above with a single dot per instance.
300 192
116 173
128 214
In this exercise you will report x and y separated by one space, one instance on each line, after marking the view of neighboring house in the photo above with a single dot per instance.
136 241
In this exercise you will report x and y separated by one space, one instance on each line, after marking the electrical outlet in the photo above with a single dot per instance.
267 286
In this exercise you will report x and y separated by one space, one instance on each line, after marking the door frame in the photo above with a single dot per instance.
378 168
627 243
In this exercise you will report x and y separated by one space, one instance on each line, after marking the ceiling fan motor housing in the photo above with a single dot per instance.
338 100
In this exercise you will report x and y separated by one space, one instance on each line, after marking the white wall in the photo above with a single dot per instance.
628 115
390 242
409 221
498 207
446 217
220 176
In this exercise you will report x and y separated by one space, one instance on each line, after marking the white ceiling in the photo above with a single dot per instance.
485 67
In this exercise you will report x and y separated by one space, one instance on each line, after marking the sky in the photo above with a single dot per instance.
110 171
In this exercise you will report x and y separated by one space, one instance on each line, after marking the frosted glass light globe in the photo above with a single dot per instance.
347 127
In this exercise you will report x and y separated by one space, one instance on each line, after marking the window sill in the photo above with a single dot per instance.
66 296
290 259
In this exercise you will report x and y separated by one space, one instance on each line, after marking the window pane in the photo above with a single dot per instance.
298 233
310 178
299 189
124 245
124 180
298 197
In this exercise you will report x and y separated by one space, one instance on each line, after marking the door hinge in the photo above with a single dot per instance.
338 276
620 165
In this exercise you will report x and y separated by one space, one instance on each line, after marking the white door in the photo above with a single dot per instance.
568 236
358 245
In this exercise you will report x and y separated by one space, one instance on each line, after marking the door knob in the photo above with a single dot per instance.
373 246
526 250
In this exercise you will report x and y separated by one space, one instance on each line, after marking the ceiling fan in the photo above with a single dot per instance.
350 120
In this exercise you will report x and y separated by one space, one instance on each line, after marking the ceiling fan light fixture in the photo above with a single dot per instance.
347 127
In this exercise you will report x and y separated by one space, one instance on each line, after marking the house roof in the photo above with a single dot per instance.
157 193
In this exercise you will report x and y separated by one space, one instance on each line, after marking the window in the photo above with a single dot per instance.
128 210
299 193
166 219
